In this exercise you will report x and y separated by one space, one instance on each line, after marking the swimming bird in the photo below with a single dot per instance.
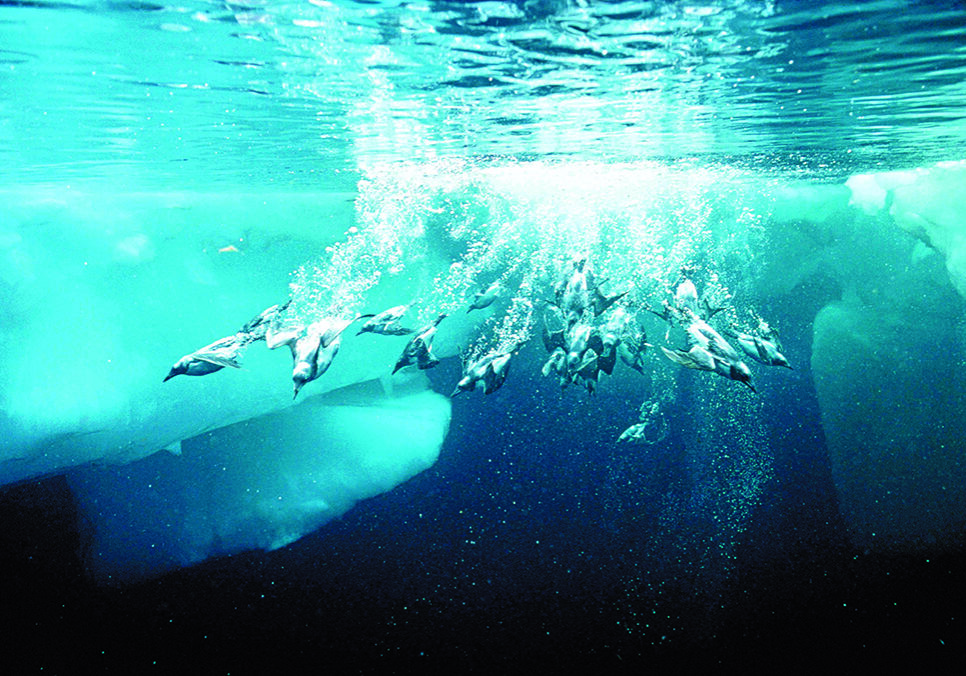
584 361
697 358
709 351
602 302
607 360
210 358
572 294
257 327
768 333
226 351
387 323
651 427
686 296
311 357
685 299
313 347
491 370
761 350
635 432
611 333
419 348
332 327
686 303
588 370
633 347
557 363
700 358
651 431
632 350
283 335
701 333
580 339
554 332
497 372
485 297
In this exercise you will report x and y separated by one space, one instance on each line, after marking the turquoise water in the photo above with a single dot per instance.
287 94
170 171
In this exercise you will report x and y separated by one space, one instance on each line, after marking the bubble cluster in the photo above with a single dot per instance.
432 235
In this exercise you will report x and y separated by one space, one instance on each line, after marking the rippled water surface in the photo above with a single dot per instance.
285 92
169 170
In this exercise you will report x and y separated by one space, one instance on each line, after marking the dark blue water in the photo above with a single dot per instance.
167 170
534 545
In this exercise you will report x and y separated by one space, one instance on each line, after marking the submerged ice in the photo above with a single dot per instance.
260 483
105 292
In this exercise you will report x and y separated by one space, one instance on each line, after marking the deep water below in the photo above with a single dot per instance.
364 597
507 556
175 169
